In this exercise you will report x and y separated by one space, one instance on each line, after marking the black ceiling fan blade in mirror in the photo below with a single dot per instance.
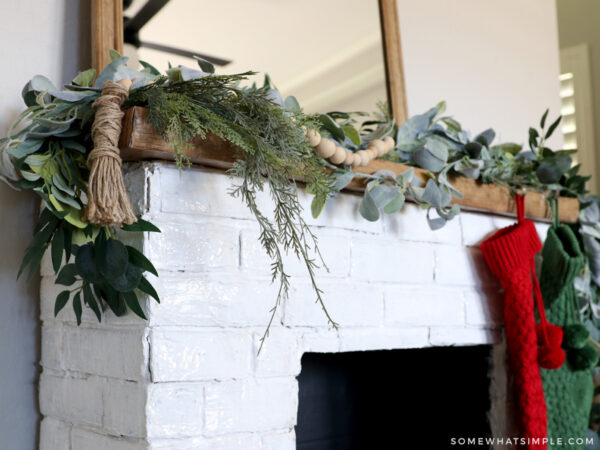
133 25
186 53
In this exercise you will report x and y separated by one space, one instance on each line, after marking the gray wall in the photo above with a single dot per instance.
49 37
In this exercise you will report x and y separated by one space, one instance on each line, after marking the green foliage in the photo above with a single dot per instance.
48 146
273 152
440 145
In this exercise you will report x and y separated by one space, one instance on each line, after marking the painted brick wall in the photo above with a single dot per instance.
190 378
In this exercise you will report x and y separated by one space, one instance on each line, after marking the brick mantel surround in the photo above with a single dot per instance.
190 377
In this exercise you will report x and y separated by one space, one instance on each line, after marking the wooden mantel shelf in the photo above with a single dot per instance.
139 141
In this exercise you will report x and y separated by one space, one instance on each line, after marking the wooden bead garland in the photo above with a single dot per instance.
326 148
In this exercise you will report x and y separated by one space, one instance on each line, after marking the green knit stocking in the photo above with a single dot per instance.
568 391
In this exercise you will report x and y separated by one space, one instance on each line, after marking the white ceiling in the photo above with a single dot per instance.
326 52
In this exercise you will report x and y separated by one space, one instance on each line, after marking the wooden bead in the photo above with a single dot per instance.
326 148
339 156
379 146
389 143
357 160
364 157
313 137
373 152
349 158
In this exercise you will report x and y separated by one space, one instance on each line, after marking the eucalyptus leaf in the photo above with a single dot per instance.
449 213
77 307
451 123
191 74
147 288
30 176
368 209
411 128
406 177
128 281
37 84
330 125
132 302
533 137
552 169
395 205
41 132
275 96
432 194
26 147
543 120
113 54
61 184
58 245
70 132
437 148
140 225
61 301
423 158
85 262
114 301
352 134
342 180
205 65
63 198
85 78
552 127
508 147
67 275
150 68
486 137
382 194
317 205
73 145
385 173
291 104
90 300
409 145
110 71
73 96
474 149
115 260
50 123
436 223
138 259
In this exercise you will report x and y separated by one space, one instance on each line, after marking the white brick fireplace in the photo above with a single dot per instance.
190 377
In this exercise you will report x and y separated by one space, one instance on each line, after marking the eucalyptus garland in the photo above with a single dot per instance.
438 144
46 151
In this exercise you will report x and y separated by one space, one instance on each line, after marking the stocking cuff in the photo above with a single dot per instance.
511 247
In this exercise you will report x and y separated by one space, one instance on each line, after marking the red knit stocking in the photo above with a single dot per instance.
509 253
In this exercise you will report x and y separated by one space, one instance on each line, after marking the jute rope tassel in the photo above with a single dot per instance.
108 203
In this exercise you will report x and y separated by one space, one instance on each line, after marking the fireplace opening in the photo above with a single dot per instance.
414 398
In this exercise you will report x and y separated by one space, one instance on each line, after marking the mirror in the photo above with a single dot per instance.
329 55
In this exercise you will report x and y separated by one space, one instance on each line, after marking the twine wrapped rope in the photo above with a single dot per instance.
108 203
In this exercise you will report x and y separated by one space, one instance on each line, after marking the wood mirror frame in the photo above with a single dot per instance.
107 34
140 141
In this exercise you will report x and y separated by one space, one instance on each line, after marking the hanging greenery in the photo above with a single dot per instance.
48 155
46 151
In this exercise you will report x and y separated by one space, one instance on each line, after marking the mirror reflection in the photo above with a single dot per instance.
329 55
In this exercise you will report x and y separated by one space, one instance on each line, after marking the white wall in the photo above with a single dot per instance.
578 24
495 62
38 36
